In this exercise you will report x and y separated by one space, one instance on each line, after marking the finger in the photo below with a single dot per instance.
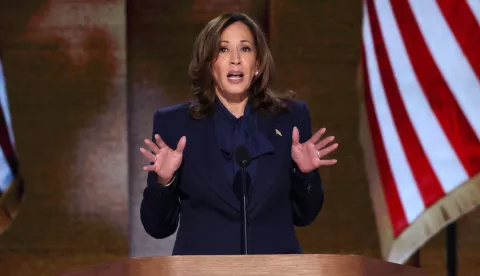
148 155
295 136
152 146
327 162
324 142
327 150
159 141
181 144
317 135
149 168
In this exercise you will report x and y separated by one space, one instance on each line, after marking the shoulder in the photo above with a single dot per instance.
171 117
295 110
298 107
169 122
171 113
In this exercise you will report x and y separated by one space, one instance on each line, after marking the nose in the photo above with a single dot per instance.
235 58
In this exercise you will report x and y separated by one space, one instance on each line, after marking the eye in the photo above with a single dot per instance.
223 49
246 49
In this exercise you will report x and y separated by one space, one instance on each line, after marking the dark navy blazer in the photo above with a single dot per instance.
206 210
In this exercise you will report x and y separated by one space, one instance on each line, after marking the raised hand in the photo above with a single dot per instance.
165 160
309 155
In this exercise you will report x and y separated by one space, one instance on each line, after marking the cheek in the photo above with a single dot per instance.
252 64
217 69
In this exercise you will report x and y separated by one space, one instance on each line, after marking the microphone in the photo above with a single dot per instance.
243 158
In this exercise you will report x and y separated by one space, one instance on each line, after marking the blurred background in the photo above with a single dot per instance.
83 79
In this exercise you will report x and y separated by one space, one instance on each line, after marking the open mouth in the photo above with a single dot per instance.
235 76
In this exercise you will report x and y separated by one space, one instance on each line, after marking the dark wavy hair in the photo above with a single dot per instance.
205 50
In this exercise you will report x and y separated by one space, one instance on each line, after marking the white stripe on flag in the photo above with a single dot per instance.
475 8
4 105
454 66
438 149
407 189
6 176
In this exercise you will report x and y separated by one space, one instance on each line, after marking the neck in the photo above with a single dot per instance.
234 104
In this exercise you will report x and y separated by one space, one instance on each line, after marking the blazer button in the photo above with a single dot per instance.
309 188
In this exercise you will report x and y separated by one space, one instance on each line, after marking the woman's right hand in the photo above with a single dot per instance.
166 161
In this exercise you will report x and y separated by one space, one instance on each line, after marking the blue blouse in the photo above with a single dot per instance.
232 132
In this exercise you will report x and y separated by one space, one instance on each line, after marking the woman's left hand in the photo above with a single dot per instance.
309 155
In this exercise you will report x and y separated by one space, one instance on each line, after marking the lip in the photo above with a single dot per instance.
235 76
232 72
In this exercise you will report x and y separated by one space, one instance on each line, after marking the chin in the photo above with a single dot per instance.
236 91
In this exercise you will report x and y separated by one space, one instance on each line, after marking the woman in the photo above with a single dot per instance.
193 176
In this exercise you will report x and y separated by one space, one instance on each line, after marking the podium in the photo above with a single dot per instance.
265 265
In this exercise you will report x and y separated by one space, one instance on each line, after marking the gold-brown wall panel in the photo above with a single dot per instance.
64 64
316 46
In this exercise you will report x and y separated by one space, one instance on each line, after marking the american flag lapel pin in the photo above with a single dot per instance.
278 132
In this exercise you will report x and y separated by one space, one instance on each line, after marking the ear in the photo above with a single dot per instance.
257 67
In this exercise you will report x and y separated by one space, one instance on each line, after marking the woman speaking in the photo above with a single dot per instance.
235 169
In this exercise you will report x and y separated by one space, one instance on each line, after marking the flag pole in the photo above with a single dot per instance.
451 249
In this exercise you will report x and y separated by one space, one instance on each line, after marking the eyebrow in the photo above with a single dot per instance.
240 41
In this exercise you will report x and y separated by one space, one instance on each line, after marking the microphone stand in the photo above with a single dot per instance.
243 158
244 208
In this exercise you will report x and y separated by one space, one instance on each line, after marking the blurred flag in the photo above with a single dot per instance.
420 127
11 188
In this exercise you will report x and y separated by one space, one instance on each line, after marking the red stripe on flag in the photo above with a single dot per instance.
465 28
5 143
427 181
446 109
396 213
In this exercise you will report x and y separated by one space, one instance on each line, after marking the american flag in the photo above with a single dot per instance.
11 187
420 125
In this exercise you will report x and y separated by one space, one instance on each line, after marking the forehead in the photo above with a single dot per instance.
237 31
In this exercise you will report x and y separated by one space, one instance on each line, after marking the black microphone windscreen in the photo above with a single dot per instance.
242 156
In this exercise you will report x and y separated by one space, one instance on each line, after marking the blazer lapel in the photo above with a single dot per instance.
205 156
269 164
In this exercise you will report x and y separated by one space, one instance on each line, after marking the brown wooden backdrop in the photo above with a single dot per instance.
64 65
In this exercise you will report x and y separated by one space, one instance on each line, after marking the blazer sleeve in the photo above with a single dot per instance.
307 189
160 206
